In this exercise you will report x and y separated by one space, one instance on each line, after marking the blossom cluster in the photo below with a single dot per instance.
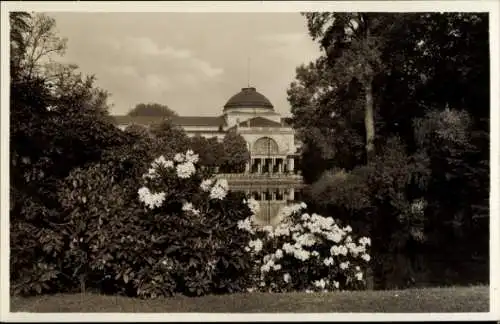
151 200
304 243
188 207
217 188
184 165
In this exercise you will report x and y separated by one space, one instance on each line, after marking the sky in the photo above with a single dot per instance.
191 62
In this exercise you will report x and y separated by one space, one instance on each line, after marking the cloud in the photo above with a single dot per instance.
169 57
145 47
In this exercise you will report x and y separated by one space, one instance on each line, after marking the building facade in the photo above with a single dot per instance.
270 174
270 139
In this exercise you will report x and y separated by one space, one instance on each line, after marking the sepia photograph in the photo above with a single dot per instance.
252 159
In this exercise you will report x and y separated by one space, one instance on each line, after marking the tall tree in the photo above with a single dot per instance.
18 28
352 43
152 109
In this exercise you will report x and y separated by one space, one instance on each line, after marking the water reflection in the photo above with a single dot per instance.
272 200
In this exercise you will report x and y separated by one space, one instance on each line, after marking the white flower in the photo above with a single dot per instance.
265 268
151 173
302 255
256 245
143 192
306 239
206 184
277 267
338 249
278 254
328 261
185 170
348 239
286 277
288 248
217 193
336 284
161 161
219 190
359 275
189 207
344 265
305 217
149 199
246 225
366 257
335 237
358 268
303 205
253 205
191 157
348 229
282 230
320 283
315 253
365 241
179 157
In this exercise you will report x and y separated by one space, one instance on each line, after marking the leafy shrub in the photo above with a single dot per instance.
306 253
179 236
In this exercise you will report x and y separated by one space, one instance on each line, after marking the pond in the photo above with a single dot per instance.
272 191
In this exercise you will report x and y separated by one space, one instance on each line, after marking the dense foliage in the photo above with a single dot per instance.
58 121
417 87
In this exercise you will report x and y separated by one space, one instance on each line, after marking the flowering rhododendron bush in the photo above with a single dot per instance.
202 248
306 253
175 233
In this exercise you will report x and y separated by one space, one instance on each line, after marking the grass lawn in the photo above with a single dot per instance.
456 299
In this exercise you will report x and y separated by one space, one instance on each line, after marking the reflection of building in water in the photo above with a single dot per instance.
272 191
270 172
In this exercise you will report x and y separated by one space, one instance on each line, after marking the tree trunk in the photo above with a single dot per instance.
369 122
370 153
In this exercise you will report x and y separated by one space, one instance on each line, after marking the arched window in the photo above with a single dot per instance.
265 146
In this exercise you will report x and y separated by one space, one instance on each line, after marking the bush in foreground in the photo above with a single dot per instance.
306 253
177 234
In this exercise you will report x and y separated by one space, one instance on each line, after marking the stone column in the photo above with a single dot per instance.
247 167
291 194
291 164
259 168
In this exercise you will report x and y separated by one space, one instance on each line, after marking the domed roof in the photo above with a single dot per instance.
248 98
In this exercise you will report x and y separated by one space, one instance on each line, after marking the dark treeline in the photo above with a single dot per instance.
394 116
